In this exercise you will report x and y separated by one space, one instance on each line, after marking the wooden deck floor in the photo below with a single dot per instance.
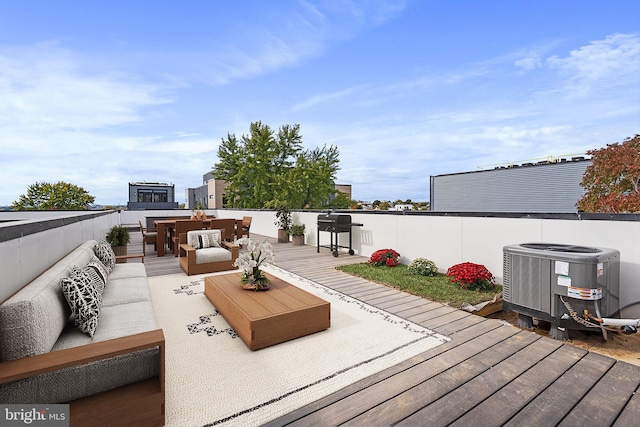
489 374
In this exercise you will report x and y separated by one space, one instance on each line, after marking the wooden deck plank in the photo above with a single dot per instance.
604 402
414 399
359 402
303 415
373 293
384 297
550 406
451 329
450 407
431 314
418 309
439 322
505 402
404 302
629 416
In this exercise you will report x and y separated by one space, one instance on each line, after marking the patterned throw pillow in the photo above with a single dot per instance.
195 240
105 254
100 269
81 292
205 242
98 273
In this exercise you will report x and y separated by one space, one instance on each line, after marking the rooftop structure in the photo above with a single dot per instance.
541 187
151 195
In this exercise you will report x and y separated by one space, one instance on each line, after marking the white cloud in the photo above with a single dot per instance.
46 87
616 54
601 66
530 62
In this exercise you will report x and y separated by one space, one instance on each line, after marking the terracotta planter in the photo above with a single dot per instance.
120 250
283 237
298 240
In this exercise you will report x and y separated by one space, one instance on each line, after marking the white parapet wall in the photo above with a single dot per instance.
446 239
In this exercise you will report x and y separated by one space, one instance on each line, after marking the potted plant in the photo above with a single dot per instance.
297 231
283 221
118 238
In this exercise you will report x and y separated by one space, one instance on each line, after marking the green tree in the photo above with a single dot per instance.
341 201
384 206
264 167
612 180
59 196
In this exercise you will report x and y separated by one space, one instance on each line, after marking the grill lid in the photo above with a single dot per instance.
337 218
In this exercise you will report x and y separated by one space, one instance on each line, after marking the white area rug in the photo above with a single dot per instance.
212 378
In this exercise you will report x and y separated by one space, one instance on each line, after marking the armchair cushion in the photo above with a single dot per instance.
207 255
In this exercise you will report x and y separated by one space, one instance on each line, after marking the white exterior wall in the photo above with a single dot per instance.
25 258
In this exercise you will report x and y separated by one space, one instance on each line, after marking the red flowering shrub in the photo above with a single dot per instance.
474 277
387 257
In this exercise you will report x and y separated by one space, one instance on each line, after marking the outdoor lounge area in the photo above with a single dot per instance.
476 371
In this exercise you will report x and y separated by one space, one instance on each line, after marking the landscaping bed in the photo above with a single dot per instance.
436 288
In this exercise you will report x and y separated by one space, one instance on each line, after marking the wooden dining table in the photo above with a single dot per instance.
165 229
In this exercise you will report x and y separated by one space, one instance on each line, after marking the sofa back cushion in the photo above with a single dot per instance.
31 320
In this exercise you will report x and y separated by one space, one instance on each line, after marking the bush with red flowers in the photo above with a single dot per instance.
474 277
387 257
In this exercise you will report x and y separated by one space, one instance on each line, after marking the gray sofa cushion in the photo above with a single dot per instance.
34 317
115 321
120 291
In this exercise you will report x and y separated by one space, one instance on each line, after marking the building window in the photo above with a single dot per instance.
152 196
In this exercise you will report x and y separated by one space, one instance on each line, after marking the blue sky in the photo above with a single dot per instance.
100 94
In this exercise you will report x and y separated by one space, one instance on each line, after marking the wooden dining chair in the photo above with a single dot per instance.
148 237
226 224
246 225
182 226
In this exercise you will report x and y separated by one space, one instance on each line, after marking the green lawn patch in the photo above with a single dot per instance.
436 288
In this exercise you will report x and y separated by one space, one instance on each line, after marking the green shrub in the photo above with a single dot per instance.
423 267
118 236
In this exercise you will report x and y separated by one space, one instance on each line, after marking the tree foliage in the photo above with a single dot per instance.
612 180
265 169
59 196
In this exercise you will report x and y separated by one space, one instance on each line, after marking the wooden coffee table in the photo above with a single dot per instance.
262 319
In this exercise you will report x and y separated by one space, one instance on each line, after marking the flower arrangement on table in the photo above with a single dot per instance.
474 277
382 257
250 260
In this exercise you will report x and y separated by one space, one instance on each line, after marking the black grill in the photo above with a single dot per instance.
334 224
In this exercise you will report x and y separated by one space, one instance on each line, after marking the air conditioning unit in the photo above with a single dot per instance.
572 287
